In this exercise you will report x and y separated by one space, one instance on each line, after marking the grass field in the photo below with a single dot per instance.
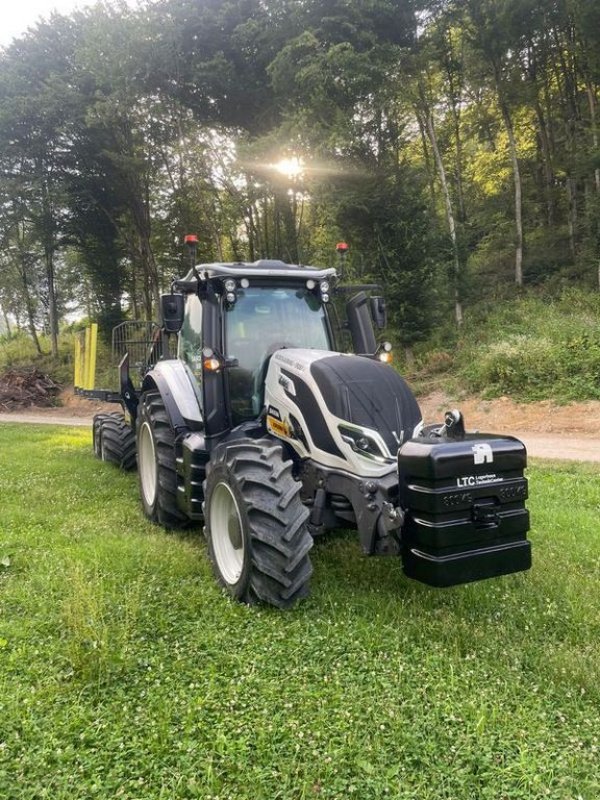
125 673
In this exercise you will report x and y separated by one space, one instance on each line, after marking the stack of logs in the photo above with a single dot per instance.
24 387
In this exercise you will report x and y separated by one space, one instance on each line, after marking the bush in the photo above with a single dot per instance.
535 368
18 350
529 347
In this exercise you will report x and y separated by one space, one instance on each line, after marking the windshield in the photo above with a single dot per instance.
262 320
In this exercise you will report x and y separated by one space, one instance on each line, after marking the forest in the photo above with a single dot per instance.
452 143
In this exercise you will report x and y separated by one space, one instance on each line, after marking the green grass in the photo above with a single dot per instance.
126 673
530 347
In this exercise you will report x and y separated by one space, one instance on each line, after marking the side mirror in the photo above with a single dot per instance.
171 306
378 312
360 325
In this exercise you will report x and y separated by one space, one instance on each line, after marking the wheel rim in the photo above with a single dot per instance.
226 534
147 464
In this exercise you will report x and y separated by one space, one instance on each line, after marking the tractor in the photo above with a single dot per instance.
267 411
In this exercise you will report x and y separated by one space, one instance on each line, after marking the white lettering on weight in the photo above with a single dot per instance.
477 480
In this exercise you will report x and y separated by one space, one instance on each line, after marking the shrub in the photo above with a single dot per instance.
530 348
18 350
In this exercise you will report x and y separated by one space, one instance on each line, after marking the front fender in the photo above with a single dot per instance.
180 393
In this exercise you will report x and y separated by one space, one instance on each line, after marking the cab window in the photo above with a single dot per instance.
190 336
262 320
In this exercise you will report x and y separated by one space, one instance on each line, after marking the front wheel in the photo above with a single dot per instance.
157 463
256 525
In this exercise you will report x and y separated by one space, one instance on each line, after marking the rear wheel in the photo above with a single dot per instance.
256 525
156 463
97 434
114 440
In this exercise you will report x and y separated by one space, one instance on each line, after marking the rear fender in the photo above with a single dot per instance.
179 391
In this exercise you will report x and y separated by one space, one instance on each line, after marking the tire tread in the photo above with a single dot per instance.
118 440
279 540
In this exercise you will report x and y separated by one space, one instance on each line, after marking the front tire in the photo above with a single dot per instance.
256 524
156 463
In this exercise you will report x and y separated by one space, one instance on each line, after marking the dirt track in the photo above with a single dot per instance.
570 432
549 431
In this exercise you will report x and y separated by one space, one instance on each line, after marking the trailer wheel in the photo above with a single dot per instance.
97 434
256 525
114 440
156 463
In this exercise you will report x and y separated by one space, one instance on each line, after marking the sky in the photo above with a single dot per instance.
18 15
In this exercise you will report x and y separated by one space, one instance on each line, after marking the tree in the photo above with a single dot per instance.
490 37
33 105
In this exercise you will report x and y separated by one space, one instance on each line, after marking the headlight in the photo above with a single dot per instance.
324 287
364 444
230 285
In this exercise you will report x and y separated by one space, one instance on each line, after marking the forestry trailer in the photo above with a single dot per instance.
252 416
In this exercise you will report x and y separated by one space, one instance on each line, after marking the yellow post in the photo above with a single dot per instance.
77 363
86 358
86 345
93 349
82 359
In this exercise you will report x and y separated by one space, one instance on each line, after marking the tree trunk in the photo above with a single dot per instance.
249 225
547 162
253 230
133 293
218 244
48 241
151 273
6 321
266 243
591 94
512 144
286 226
430 128
29 306
452 63
462 211
566 80
277 242
88 301
52 311
147 288
430 175
572 215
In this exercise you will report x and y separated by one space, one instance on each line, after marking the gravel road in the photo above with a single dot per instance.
551 446
46 419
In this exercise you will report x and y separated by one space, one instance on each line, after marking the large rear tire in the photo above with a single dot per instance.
114 440
156 463
256 524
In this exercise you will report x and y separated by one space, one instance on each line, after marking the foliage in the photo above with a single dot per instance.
127 673
19 351
454 144
530 348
